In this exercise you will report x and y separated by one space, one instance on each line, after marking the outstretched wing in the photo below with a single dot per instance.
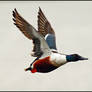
46 30
40 45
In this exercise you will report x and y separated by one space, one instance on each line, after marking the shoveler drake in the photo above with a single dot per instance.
45 51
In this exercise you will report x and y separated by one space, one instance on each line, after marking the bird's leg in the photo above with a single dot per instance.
29 68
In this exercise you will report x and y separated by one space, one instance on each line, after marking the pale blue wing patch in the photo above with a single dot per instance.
50 39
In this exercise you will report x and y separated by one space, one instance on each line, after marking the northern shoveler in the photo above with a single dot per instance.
45 51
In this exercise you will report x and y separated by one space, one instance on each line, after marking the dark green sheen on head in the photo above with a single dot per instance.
75 57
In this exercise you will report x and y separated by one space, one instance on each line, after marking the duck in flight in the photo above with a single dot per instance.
45 51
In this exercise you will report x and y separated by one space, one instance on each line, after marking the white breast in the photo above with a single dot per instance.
57 59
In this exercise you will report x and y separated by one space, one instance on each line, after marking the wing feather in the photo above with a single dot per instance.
40 45
44 28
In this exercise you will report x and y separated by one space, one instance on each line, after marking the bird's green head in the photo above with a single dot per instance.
75 57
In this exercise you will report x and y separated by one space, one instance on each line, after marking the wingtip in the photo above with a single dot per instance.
13 12
40 9
15 9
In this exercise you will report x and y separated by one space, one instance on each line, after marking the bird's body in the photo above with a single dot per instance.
48 63
48 58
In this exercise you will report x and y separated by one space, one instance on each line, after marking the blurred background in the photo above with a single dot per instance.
72 22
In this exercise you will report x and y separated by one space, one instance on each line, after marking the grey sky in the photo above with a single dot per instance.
72 22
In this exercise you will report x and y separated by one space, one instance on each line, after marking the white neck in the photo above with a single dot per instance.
58 59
